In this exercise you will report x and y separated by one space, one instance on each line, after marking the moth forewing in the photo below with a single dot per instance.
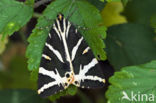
67 59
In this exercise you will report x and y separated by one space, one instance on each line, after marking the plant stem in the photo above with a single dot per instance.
36 15
37 4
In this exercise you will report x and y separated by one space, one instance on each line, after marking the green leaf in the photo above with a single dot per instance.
98 4
14 17
85 15
138 11
71 90
130 44
130 80
30 2
111 14
20 96
153 22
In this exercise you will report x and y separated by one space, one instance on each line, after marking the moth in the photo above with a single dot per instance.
67 60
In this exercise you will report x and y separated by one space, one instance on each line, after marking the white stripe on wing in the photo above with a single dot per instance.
56 52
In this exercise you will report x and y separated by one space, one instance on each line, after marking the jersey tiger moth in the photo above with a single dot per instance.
67 59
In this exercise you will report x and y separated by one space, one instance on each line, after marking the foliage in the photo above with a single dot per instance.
71 90
138 79
111 14
30 2
14 17
142 13
98 4
132 43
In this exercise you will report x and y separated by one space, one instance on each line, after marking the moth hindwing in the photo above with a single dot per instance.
66 60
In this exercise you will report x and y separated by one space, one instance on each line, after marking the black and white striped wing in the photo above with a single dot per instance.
88 73
53 65
67 59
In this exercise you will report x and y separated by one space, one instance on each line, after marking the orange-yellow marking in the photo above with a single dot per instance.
72 80
60 17
104 80
86 50
46 57
38 92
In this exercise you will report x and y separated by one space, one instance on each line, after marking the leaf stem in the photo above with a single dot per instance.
36 15
39 3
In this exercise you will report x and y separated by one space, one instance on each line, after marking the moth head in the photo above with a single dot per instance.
60 16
